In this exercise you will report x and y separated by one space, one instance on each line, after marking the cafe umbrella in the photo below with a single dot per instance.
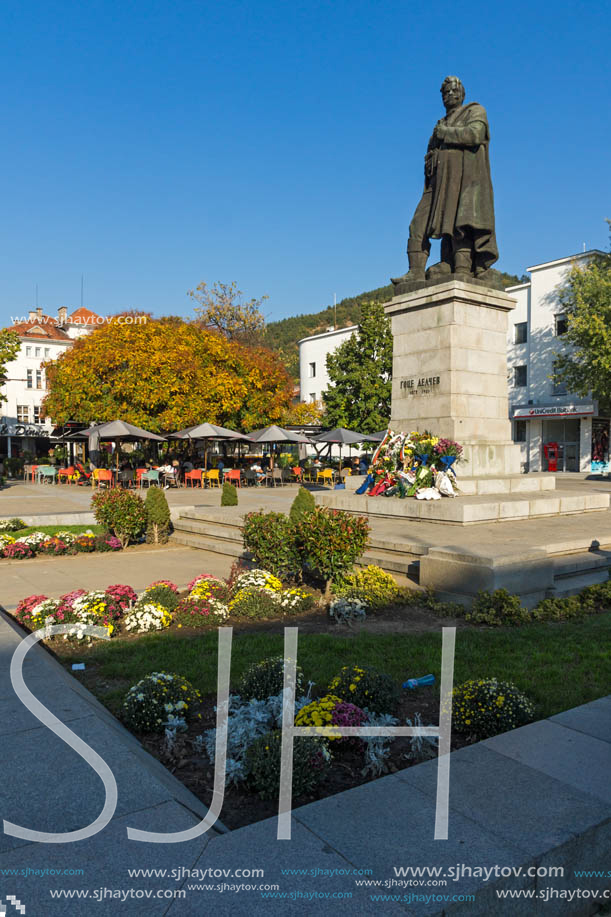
207 431
117 431
341 437
275 434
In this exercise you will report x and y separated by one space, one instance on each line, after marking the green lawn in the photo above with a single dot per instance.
53 529
559 665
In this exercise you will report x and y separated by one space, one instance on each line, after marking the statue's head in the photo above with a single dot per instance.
452 92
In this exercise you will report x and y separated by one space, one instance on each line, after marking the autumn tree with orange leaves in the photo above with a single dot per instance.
164 374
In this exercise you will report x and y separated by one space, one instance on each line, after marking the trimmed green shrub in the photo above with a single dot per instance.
486 707
497 609
157 516
371 585
254 603
330 541
229 495
121 512
270 538
162 595
266 679
154 699
310 762
365 687
303 503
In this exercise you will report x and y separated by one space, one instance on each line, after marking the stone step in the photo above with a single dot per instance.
208 543
391 562
470 510
572 585
201 527
578 564
507 484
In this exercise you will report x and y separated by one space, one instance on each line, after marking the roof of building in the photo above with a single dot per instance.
327 334
83 316
42 328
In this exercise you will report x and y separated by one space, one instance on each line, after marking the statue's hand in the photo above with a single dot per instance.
440 130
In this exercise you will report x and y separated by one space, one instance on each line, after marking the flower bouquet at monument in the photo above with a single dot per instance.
446 453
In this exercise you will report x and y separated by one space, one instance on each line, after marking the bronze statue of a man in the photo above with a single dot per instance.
457 205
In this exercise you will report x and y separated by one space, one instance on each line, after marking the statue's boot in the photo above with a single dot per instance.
463 264
417 263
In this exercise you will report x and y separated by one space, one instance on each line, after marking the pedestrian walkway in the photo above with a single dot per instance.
137 568
538 796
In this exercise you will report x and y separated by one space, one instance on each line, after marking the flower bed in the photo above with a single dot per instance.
185 740
14 547
413 465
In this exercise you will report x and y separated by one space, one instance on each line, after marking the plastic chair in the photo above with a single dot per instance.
194 477
213 477
326 475
66 474
297 473
234 476
276 477
150 477
103 476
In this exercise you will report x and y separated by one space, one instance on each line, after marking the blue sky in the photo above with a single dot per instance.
151 145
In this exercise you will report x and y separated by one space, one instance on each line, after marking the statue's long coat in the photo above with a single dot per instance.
461 183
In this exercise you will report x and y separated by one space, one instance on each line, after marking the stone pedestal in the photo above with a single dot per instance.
450 371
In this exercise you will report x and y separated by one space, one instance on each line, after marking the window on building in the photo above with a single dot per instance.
312 370
28 351
519 431
23 413
312 396
36 413
47 351
558 388
520 332
519 376
39 379
37 351
561 324
30 379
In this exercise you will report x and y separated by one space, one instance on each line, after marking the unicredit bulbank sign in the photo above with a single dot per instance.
559 410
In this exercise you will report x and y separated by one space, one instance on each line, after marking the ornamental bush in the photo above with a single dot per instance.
229 495
146 616
84 544
123 596
12 525
153 700
210 587
17 551
303 503
157 516
161 595
295 600
486 707
366 688
53 546
373 586
310 762
319 713
254 603
108 543
497 609
121 512
270 538
330 541
266 679
200 612
347 609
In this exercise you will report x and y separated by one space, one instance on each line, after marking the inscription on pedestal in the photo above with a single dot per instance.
423 385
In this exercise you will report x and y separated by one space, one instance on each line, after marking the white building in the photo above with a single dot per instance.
541 412
43 338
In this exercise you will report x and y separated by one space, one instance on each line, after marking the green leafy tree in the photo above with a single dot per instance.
9 348
585 299
360 371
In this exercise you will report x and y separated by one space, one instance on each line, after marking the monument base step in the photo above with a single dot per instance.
473 509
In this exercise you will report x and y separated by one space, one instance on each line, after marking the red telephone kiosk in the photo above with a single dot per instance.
551 454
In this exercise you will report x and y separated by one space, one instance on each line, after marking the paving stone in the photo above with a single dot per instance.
66 705
389 823
593 719
257 847
105 859
57 790
569 756
491 789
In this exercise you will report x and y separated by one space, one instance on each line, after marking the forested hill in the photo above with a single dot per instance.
283 335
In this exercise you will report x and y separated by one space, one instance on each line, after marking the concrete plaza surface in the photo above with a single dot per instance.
536 796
